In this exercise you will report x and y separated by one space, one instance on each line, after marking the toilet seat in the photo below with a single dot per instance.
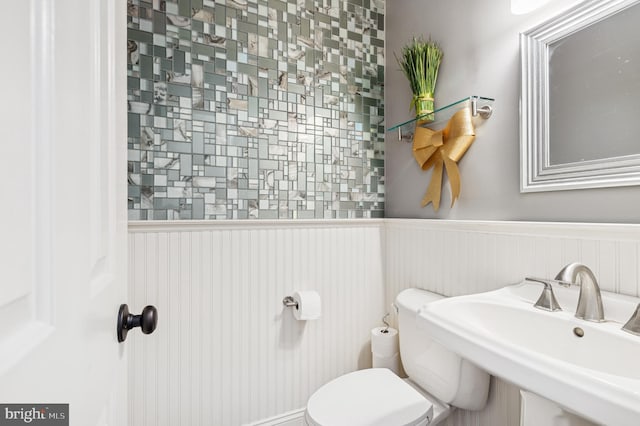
372 397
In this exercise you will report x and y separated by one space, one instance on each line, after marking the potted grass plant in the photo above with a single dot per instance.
420 61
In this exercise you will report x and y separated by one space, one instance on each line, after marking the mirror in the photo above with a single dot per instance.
580 99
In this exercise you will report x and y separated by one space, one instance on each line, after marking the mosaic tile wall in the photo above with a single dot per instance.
255 109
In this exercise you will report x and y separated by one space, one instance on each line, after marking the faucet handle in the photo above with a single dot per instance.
633 325
547 300
563 283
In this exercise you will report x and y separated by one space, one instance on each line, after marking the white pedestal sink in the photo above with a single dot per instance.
592 369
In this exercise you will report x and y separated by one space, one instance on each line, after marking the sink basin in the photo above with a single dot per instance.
592 369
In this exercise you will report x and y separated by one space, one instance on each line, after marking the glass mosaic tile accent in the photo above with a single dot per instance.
255 109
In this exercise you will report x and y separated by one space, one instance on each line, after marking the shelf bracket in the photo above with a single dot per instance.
484 111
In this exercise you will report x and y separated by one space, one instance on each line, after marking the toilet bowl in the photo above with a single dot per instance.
439 381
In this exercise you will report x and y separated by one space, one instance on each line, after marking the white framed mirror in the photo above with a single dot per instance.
580 98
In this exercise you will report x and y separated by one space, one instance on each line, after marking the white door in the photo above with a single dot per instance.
63 207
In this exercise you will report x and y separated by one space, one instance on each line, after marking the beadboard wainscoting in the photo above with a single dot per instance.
463 257
226 352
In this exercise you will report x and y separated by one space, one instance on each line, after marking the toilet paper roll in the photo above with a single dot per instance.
392 362
384 344
309 305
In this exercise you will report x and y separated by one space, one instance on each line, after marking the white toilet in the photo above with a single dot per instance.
438 379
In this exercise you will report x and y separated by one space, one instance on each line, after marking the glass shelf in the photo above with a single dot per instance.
480 106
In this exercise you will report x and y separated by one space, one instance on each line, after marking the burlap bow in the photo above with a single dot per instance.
443 148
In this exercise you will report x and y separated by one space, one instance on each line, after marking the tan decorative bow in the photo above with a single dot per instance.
442 150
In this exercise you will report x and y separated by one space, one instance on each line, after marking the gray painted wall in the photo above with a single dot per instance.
481 56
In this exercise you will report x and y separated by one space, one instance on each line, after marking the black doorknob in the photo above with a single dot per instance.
147 321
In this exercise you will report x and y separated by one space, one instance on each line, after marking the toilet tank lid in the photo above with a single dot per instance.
414 298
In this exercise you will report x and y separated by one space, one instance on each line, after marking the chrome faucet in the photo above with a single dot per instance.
590 301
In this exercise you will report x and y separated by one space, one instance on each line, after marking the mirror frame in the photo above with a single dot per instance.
536 172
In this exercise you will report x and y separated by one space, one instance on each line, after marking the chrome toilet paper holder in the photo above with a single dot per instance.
289 302
307 305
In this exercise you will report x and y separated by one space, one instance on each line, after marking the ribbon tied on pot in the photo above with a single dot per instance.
442 150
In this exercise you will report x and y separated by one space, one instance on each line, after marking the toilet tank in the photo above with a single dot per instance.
434 368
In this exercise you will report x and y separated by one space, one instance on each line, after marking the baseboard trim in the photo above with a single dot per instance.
295 417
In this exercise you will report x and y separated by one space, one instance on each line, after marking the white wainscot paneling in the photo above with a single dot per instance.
226 352
463 257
